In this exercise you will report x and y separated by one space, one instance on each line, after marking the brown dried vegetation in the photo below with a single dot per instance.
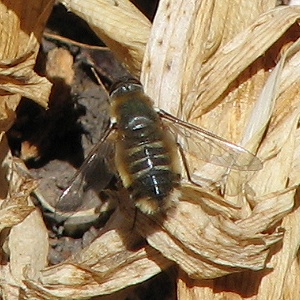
231 67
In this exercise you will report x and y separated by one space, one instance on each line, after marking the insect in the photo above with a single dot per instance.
145 152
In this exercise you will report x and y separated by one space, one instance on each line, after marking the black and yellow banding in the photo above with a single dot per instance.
146 155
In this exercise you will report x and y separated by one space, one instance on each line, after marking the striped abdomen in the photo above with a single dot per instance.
145 154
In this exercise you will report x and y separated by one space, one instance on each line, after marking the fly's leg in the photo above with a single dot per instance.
185 165
187 170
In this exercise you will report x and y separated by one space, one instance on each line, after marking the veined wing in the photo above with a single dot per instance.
211 148
91 178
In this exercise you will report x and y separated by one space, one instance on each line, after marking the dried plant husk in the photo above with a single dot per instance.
103 267
23 233
227 87
127 41
114 259
232 71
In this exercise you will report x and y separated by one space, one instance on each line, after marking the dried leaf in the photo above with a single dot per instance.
14 215
104 17
25 242
106 266
221 85
239 53
17 76
205 242
28 245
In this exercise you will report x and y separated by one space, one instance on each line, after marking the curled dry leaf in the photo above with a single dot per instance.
204 241
224 90
19 216
17 75
24 236
15 208
215 246
128 41
115 260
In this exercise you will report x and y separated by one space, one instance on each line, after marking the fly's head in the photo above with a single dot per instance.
124 87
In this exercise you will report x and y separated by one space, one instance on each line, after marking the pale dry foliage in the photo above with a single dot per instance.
27 242
229 66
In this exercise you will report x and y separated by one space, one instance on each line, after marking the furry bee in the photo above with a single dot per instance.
145 151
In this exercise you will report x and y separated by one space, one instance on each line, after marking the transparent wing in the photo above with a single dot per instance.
209 147
93 176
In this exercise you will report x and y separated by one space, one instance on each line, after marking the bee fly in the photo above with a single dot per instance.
146 154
